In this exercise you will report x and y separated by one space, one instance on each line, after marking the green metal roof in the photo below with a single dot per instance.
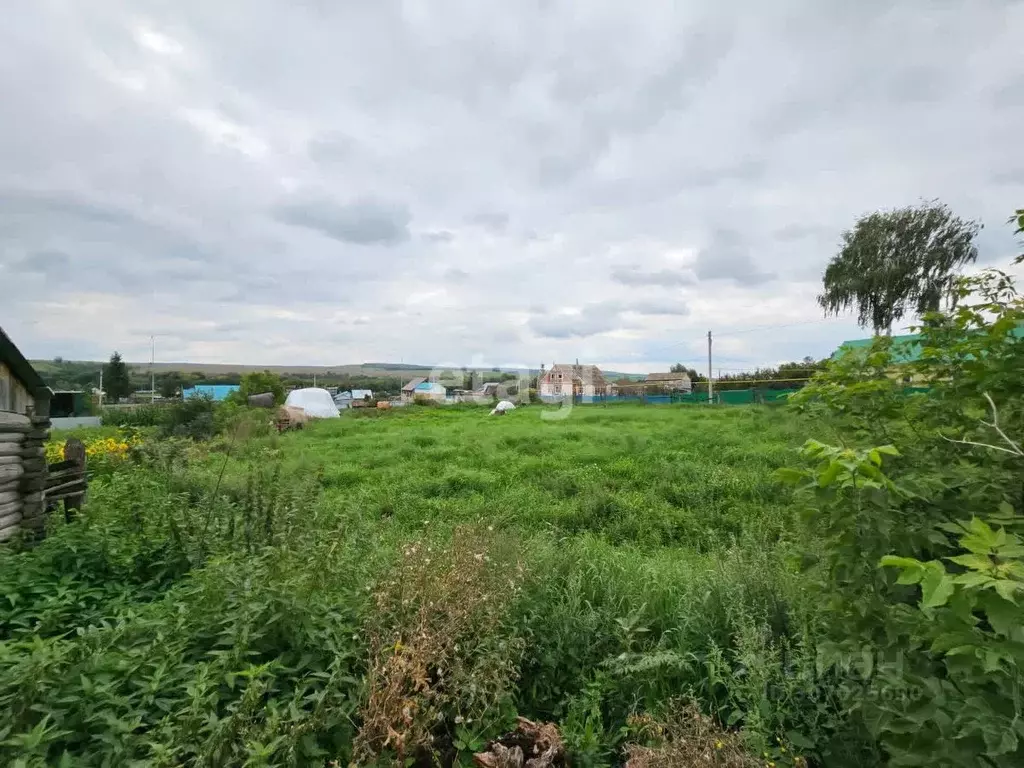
905 349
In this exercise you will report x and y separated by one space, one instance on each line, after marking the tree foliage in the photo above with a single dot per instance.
1018 220
691 372
897 262
914 533
117 381
258 382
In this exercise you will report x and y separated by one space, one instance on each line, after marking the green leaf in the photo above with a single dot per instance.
936 586
1003 615
830 474
974 562
973 579
1007 590
888 450
961 650
981 529
790 475
992 661
912 570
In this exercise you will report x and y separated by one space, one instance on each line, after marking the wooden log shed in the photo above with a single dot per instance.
24 429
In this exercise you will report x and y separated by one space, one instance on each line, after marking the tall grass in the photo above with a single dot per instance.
253 602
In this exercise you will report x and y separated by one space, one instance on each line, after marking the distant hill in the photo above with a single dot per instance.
403 370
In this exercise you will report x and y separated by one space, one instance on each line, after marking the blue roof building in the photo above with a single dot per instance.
431 389
215 392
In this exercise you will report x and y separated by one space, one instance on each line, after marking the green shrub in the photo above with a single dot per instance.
134 416
192 418
920 591
257 383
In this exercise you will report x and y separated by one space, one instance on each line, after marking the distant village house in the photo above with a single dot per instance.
676 382
409 390
564 380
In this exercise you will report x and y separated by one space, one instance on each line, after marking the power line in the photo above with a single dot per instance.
783 325
750 330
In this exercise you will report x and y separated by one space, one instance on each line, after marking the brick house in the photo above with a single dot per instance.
576 380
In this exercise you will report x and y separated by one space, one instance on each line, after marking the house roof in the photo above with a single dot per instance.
677 376
413 384
359 394
216 392
588 373
905 349
22 369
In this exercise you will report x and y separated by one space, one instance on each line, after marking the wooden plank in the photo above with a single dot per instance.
67 489
60 482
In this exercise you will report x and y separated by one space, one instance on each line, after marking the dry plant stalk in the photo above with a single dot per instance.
688 738
438 653
530 745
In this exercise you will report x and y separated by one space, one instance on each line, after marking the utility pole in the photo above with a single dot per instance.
101 386
152 370
710 385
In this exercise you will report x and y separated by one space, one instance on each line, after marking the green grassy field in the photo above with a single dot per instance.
267 600
642 476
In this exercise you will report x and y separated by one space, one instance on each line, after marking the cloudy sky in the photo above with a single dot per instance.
325 182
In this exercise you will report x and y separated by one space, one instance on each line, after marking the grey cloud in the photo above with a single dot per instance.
456 275
363 222
1010 176
603 98
166 179
658 307
748 170
571 326
1010 93
592 319
667 277
331 148
439 236
727 257
601 316
792 232
494 221
917 84
46 262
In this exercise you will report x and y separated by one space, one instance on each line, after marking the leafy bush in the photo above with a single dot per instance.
257 383
134 416
202 636
192 417
241 422
920 563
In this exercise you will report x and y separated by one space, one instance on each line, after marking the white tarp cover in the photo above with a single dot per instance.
316 402
503 406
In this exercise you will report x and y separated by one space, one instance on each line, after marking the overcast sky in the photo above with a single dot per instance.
325 182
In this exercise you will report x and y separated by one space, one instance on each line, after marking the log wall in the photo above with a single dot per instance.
22 472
